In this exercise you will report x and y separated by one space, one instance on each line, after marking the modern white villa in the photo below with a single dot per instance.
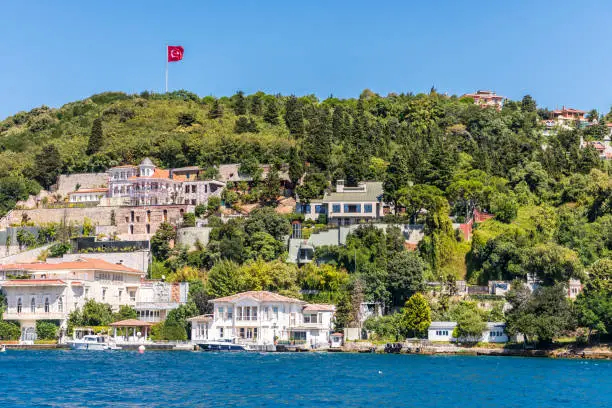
265 318
50 291
443 331
347 205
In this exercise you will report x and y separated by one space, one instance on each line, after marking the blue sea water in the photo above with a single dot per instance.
178 379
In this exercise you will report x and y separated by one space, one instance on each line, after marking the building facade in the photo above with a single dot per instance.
147 184
347 205
495 332
265 318
52 291
88 195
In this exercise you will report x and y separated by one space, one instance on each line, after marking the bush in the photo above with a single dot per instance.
9 331
189 220
46 330
214 203
174 331
58 250
200 210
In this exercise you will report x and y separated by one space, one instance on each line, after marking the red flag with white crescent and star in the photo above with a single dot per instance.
175 53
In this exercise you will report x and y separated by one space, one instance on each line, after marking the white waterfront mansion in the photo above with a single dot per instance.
264 318
50 291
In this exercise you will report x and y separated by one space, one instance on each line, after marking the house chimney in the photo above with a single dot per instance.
340 186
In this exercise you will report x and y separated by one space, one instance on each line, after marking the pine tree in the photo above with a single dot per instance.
271 114
96 138
294 116
296 165
256 105
216 111
252 126
240 107
242 125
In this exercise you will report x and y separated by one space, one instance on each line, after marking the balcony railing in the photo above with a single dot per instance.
246 318
25 315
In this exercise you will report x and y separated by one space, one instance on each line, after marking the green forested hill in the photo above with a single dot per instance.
432 151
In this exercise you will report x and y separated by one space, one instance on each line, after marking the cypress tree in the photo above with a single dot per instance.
96 138
294 116
318 142
271 114
48 165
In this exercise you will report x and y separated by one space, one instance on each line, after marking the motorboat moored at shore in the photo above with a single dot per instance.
92 342
223 345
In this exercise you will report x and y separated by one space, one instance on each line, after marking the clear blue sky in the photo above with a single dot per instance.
55 52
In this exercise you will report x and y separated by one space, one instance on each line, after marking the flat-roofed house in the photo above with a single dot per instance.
347 205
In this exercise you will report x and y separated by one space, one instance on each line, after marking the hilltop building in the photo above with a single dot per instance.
486 99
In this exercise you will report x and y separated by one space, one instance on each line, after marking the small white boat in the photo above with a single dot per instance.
3 349
92 342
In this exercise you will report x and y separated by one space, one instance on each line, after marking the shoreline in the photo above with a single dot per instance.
368 348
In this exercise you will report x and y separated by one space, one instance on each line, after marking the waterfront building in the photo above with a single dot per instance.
347 205
486 99
264 318
495 332
51 291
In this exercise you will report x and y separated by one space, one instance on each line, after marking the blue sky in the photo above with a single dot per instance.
57 52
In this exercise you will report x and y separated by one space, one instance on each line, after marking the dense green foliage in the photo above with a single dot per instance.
46 330
551 198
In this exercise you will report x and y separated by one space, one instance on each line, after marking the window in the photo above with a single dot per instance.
132 295
46 305
120 292
131 229
60 305
19 305
186 189
298 335
336 208
220 332
307 209
310 318
132 216
148 228
241 333
275 312
239 313
103 293
352 208
297 231
33 306
194 189
367 208
319 209
267 313
230 312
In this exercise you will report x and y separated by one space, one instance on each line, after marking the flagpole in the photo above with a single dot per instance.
166 68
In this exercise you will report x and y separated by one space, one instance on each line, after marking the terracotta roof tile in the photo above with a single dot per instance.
34 282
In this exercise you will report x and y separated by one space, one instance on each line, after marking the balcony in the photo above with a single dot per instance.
13 315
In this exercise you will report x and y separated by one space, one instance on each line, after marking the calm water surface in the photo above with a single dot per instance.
175 379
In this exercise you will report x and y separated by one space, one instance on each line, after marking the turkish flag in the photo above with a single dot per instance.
175 53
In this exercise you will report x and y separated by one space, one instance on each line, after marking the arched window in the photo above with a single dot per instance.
46 305
33 306
60 305
19 305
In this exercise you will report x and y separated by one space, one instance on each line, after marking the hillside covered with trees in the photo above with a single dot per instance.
551 198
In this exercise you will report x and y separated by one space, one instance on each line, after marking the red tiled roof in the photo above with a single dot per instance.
34 282
80 264
318 307
157 174
260 295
